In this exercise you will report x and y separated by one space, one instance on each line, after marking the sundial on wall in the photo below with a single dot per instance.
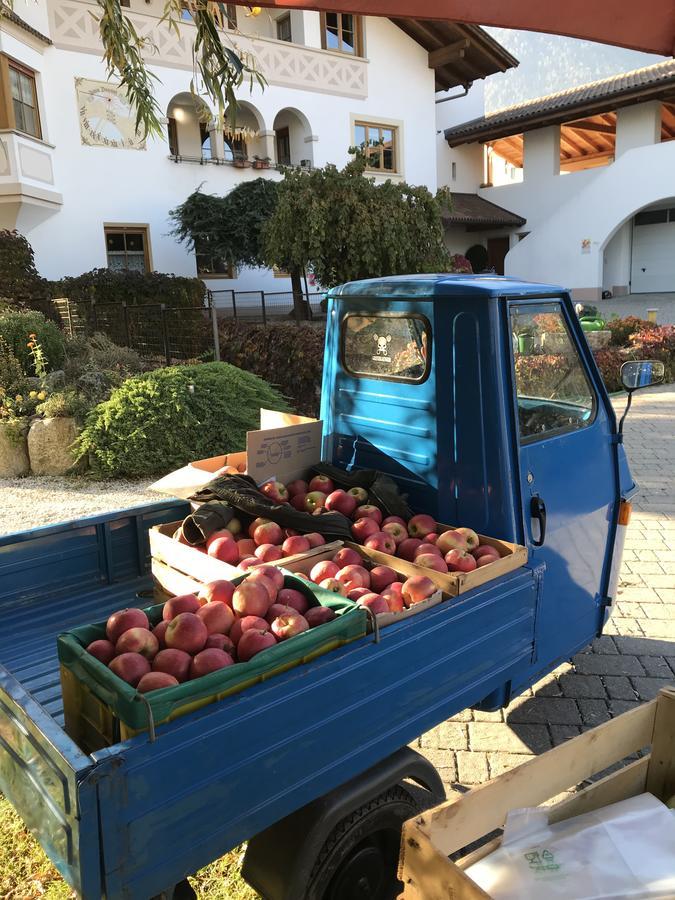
106 116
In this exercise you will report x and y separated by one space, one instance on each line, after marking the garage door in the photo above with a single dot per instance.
653 259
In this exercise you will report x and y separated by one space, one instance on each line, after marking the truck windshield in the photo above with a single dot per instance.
553 390
390 347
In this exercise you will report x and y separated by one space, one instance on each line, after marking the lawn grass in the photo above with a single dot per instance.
27 874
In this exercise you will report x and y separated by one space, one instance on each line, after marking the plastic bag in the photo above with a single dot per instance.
623 850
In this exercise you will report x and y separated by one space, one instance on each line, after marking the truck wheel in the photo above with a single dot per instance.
359 859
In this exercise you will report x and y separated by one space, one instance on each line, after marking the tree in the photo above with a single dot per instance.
343 226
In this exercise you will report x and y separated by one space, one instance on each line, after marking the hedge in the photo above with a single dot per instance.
133 288
15 327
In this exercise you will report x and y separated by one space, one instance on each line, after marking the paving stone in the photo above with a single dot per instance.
637 594
617 707
619 687
656 666
508 738
547 687
472 768
659 628
593 712
604 664
466 715
444 761
604 644
545 710
658 610
576 686
503 762
648 688
453 736
429 740
642 647
562 733
480 716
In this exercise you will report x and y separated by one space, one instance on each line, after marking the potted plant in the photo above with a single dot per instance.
261 162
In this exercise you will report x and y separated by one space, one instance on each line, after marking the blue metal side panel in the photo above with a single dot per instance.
44 776
218 776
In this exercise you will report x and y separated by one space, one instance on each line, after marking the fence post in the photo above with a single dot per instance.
125 313
264 311
165 335
214 325
234 304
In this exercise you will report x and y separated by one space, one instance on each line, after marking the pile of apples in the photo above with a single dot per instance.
379 588
201 633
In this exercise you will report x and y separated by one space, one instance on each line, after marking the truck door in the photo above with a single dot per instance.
567 476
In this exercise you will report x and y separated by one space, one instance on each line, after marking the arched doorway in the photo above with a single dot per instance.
189 127
293 138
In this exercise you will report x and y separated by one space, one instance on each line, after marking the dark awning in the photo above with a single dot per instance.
470 209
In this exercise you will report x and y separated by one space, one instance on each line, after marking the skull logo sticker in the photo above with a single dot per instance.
382 343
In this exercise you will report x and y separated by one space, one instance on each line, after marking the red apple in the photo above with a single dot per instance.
430 538
375 602
269 552
359 494
267 583
248 563
347 557
102 650
251 599
159 631
397 531
334 586
298 501
321 483
382 542
177 605
381 577
209 660
428 548
420 525
486 550
276 610
269 533
319 615
432 561
186 632
417 589
357 593
246 623
297 487
451 540
407 548
397 520
471 538
130 667
221 642
218 617
353 577
275 575
224 549
324 569
155 681
138 640
122 621
315 539
253 642
246 547
368 511
485 560
295 599
341 501
234 526
255 524
173 662
315 500
394 599
294 545
460 561
275 490
216 591
364 528
288 625
221 533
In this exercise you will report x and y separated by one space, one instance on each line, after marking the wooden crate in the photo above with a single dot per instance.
428 840
512 557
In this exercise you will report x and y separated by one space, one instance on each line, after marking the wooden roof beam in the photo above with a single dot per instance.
587 125
448 54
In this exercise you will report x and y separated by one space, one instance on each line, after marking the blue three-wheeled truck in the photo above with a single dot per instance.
496 419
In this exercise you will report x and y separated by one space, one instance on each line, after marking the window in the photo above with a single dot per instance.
454 171
231 16
342 32
235 149
210 265
652 217
553 391
283 146
393 348
284 28
205 135
379 144
24 99
172 133
127 248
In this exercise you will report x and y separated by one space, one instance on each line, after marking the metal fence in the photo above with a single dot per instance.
267 306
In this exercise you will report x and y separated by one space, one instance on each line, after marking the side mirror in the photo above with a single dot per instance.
636 374
641 373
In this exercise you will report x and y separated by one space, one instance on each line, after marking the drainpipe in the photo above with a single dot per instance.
465 91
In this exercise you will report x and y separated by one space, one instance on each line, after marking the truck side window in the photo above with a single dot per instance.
389 347
553 391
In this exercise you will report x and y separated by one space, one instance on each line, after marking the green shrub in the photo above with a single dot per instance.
623 328
290 356
19 279
17 325
12 378
133 288
156 422
64 404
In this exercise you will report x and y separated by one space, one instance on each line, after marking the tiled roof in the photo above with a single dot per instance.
11 16
603 95
470 209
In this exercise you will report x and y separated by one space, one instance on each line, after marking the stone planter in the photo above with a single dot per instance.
13 452
50 444
598 339
555 342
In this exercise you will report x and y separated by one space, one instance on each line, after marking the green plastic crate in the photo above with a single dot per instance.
100 709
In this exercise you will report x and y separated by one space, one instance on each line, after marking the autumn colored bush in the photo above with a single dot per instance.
623 328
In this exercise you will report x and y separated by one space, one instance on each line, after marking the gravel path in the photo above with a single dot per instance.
31 502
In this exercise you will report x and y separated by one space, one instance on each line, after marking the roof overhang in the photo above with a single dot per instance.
475 212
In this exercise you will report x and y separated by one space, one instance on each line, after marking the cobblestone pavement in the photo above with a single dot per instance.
627 665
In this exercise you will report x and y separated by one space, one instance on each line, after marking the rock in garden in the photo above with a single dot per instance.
13 452
50 444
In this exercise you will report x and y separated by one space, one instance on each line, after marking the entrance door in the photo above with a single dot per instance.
653 256
283 146
567 471
497 249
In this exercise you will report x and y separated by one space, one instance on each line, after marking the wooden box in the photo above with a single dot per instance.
428 840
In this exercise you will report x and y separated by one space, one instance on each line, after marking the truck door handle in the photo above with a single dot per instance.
538 511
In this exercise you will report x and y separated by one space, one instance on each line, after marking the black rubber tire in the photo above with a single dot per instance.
359 859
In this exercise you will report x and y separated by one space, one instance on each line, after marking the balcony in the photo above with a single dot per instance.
74 26
27 172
